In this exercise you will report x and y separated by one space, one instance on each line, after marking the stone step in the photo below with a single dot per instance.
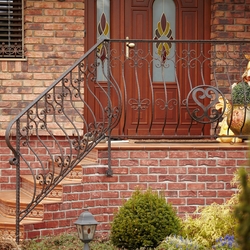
28 186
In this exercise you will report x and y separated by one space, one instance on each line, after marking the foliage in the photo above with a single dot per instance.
214 221
8 244
68 241
178 242
242 212
143 221
228 242
241 93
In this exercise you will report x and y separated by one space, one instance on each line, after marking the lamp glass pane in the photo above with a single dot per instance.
88 232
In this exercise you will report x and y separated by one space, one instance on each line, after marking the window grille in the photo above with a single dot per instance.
11 29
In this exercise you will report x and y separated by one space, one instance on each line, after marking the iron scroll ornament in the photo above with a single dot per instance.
201 95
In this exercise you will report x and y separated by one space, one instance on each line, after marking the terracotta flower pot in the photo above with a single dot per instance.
238 120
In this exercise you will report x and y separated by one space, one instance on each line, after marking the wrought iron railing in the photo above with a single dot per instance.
138 89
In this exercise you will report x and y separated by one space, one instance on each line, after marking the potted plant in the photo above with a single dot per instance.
239 118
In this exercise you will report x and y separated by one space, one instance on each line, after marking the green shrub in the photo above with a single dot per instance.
69 241
211 223
143 221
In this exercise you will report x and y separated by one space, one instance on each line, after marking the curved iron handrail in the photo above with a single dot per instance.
44 119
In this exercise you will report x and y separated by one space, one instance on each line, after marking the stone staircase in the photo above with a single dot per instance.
36 216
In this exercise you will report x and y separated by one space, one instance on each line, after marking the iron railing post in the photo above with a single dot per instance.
109 171
17 163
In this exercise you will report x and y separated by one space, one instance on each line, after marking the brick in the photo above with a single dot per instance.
128 178
207 193
157 186
177 170
174 154
224 178
172 178
95 195
158 154
197 154
149 162
65 34
139 154
110 194
120 170
188 193
43 5
118 186
196 170
207 162
58 215
176 186
52 207
216 154
176 201
195 201
72 213
53 12
64 19
195 186
74 13
129 162
148 178
101 202
217 170
43 19
63 5
224 162
215 185
232 28
224 194
168 162
138 170
51 224
187 162
118 154
157 170
192 178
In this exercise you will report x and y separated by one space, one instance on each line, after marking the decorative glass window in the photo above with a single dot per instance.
11 29
103 31
164 29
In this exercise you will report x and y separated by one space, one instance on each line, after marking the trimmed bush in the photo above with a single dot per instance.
145 220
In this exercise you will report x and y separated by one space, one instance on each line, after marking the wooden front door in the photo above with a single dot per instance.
133 19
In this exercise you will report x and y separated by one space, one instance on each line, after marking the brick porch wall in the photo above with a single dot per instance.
189 175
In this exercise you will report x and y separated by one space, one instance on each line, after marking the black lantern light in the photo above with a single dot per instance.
86 226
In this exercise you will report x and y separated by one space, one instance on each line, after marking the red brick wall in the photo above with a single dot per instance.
190 176
230 19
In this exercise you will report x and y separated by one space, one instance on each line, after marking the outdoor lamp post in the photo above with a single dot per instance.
86 225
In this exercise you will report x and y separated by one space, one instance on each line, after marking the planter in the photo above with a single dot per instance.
238 119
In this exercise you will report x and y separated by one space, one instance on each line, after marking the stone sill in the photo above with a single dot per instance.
133 145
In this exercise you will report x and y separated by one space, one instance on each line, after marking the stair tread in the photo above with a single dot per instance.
9 196
12 221
63 182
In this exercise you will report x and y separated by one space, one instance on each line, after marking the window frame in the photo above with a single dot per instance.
12 45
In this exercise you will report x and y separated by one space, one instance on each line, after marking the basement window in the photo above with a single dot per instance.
11 29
